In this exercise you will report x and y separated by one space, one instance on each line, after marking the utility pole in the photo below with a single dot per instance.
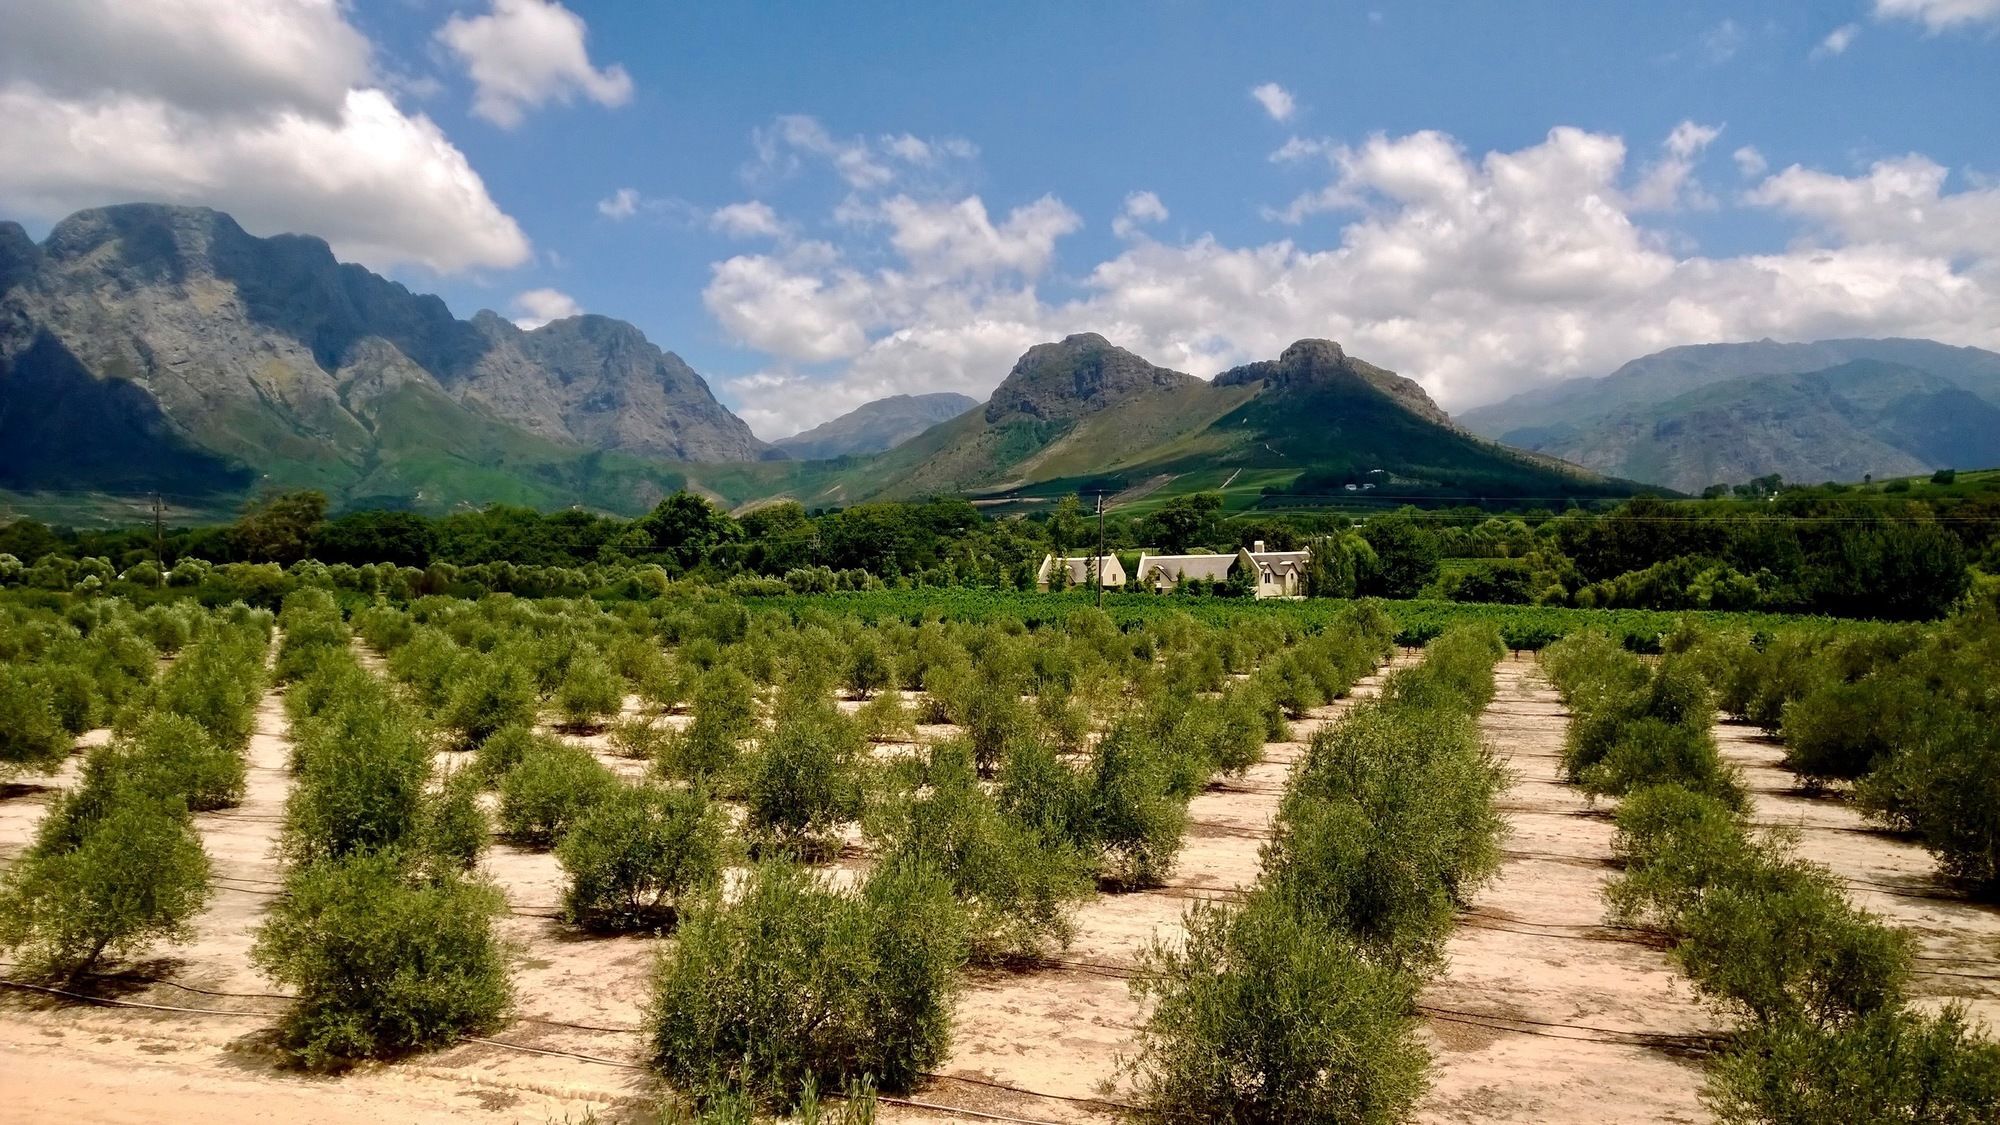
1097 564
159 541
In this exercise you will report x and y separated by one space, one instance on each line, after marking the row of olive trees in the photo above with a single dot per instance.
1906 715
1828 1033
117 863
1817 985
1299 1004
383 934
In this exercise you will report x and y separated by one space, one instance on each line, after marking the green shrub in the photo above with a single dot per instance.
362 767
1262 1017
1943 785
1039 790
805 779
551 788
181 760
637 855
1676 845
868 670
1648 751
1894 1065
1387 828
30 736
381 965
454 826
1842 730
642 738
495 693
591 692
797 981
724 704
1135 820
886 718
1780 940
1018 886
108 881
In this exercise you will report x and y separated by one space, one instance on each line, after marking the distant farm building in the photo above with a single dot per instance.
1083 571
1278 574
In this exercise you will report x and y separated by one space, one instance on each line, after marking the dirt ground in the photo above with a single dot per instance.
1593 1019
1542 1015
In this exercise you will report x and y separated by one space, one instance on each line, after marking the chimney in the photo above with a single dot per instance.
1257 548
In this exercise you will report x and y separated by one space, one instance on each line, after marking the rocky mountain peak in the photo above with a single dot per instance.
1077 375
1322 364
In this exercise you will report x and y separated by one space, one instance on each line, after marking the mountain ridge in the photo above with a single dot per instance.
876 426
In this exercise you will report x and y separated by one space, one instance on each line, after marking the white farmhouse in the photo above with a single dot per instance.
1082 568
1278 574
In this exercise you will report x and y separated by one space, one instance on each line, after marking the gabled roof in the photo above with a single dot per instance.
1079 568
1208 568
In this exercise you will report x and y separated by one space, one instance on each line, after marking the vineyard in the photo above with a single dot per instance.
677 854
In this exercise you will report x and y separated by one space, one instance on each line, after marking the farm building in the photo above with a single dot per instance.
1279 574
1082 568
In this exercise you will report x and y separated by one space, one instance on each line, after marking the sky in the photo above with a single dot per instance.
821 204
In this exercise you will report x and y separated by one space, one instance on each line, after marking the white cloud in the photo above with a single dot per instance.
526 53
1749 161
1720 43
261 110
1479 274
1668 184
1141 208
206 56
862 163
1900 203
1276 100
750 219
620 204
1939 15
1837 41
382 187
539 306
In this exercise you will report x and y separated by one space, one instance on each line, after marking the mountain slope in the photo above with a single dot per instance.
875 426
219 358
1084 414
1667 374
1843 423
1725 413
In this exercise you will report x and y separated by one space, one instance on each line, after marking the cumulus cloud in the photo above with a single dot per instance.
1276 100
1940 15
1141 208
750 219
1669 184
1837 41
209 56
539 306
1479 274
1749 161
259 109
522 54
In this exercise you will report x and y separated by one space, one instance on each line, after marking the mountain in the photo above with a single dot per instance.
198 358
1724 413
875 426
1085 414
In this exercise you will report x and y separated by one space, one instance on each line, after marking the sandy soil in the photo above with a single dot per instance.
1543 1015
1958 941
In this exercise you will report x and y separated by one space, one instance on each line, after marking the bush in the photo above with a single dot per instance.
362 768
1263 1017
495 693
30 736
725 712
806 779
1676 845
1387 828
1135 820
110 873
381 965
454 826
885 718
591 692
1018 886
798 981
637 855
181 760
1894 1065
1843 730
1944 786
554 785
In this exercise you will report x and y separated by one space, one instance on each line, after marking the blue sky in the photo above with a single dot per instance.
816 204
